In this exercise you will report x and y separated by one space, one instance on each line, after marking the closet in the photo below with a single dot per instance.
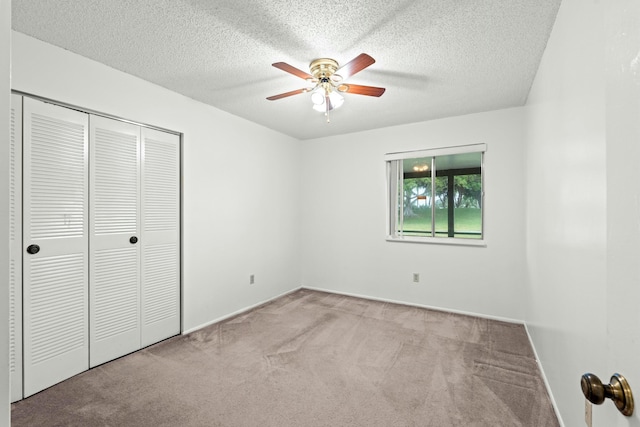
95 241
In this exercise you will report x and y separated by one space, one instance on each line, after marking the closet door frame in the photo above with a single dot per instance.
15 250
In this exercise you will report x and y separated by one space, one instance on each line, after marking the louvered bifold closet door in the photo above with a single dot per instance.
114 278
15 249
55 241
160 242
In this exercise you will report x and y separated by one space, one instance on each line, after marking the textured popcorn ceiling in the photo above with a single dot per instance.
437 58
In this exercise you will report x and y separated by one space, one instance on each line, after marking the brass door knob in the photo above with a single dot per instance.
617 390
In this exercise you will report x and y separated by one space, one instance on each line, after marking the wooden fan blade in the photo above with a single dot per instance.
356 65
284 95
361 90
292 70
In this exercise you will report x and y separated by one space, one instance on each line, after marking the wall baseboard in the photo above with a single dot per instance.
238 312
411 304
544 378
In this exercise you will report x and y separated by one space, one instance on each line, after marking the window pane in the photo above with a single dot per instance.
442 204
459 189
416 187
468 206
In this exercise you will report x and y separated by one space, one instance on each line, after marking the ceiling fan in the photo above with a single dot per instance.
327 79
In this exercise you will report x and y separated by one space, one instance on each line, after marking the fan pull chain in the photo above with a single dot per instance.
327 104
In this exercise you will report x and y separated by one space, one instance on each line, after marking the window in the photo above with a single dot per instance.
436 195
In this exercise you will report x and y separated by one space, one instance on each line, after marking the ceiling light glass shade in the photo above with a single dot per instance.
320 108
317 98
336 99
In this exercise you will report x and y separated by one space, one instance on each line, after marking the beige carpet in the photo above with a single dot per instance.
313 359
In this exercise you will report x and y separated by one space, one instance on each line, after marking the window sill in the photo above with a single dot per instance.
439 241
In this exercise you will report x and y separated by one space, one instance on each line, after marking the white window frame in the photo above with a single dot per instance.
394 207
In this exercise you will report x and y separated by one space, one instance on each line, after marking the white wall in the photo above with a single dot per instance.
5 81
239 179
566 176
344 208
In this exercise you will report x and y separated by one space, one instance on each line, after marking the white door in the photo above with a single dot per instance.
622 303
114 282
160 242
15 250
55 234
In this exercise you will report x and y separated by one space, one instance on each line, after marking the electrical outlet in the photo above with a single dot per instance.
252 279
416 277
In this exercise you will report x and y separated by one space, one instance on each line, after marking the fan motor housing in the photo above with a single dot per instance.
323 67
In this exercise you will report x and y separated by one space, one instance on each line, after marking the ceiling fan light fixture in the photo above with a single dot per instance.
327 76
317 98
320 108
336 99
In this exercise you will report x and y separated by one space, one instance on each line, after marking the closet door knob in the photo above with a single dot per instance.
33 249
133 240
